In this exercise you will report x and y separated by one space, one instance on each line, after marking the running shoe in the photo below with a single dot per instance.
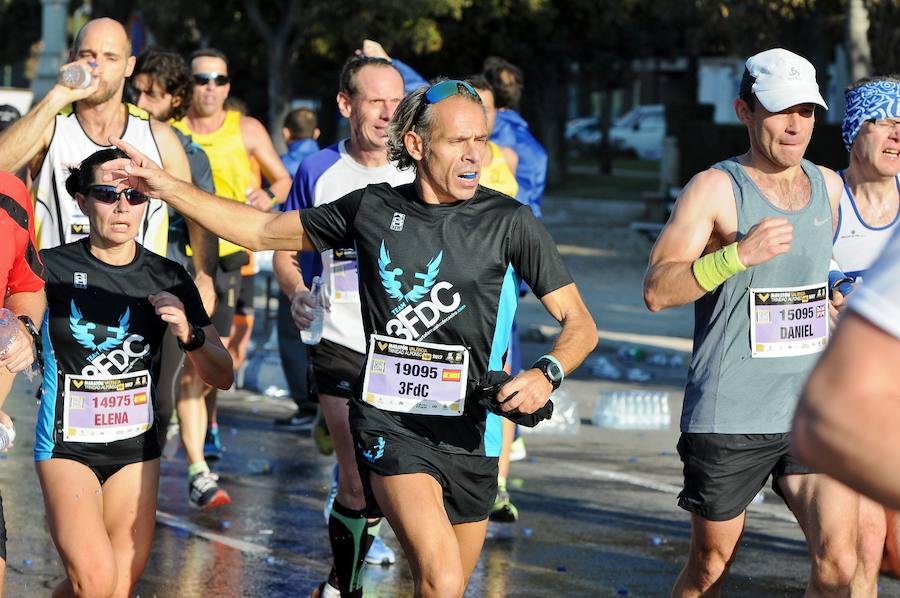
503 510
380 553
205 493
517 450
332 493
321 435
299 422
212 446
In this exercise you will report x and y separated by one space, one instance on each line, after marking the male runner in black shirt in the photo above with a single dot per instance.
439 265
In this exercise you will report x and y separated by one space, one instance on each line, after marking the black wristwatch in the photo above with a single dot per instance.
198 337
551 369
35 336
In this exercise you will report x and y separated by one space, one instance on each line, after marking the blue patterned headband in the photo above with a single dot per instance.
879 99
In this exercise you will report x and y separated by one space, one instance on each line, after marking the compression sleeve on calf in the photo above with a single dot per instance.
714 268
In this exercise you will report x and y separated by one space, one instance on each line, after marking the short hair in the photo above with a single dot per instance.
169 71
505 95
354 64
82 176
892 78
479 81
745 93
403 122
208 52
300 123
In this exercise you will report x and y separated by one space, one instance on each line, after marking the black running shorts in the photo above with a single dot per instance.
469 482
335 368
724 472
244 306
228 287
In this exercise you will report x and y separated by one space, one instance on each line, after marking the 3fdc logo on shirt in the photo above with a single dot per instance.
415 317
105 356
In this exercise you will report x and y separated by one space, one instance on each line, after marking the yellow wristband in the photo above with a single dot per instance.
713 269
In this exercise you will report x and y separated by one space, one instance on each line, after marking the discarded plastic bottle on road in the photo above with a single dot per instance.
631 354
7 436
313 334
601 367
76 76
632 410
637 375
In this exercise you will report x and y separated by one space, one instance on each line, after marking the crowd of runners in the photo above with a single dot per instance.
132 273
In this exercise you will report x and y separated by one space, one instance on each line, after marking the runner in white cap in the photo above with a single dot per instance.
749 244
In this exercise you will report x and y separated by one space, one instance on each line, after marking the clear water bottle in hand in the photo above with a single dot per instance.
9 328
313 334
76 76
7 436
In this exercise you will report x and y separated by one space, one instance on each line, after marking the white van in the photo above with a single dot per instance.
641 131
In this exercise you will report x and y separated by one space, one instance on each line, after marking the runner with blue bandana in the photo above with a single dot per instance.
867 217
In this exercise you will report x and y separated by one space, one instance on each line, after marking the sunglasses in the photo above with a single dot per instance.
441 91
108 194
205 78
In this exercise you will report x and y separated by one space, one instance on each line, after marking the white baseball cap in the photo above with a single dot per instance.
781 79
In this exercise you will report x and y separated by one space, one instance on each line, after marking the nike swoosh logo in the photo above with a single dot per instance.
817 222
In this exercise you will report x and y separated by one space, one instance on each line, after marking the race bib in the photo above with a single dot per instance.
106 408
787 322
413 377
344 278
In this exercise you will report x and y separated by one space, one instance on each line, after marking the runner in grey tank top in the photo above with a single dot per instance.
736 386
749 243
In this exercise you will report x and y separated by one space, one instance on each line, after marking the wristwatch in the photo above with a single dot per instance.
198 337
551 369
32 330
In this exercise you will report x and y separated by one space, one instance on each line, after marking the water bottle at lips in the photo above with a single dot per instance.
76 76
313 334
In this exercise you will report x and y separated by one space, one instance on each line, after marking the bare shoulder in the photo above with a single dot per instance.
833 183
710 189
252 130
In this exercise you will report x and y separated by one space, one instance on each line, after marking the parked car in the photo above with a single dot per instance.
641 131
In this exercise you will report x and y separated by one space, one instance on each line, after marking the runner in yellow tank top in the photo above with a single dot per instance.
230 141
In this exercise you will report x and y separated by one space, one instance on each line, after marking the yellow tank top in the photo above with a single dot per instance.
228 159
497 175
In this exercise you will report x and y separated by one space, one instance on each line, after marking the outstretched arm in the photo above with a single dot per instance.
227 219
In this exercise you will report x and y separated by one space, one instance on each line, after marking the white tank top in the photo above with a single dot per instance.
856 244
58 219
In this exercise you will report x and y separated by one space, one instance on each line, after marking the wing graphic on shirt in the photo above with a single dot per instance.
389 277
81 332
119 332
419 291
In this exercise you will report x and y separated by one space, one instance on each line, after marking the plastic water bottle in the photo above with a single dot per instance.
313 334
75 76
632 410
9 328
7 436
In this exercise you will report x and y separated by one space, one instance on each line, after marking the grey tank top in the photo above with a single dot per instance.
729 391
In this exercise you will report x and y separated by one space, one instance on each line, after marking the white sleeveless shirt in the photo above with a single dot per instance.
857 244
58 219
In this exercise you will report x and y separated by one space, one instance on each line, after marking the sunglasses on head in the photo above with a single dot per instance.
108 194
441 91
205 78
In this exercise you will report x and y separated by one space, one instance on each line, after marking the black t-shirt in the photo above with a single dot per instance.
100 324
446 274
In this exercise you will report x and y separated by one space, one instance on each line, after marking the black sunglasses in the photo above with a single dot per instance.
108 194
205 78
